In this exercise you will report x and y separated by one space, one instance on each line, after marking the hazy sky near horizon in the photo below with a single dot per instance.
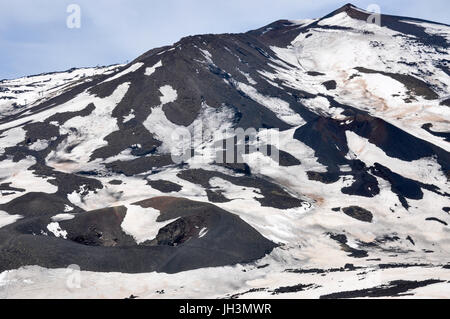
34 37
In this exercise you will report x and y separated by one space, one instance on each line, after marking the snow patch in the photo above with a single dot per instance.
20 177
55 228
150 70
39 145
425 170
169 95
141 223
11 138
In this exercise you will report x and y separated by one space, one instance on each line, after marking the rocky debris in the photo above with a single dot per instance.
330 85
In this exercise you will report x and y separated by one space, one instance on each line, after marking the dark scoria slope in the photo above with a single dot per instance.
198 80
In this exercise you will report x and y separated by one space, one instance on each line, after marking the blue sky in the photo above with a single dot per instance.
34 37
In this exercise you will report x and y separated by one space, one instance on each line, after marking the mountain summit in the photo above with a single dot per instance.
343 170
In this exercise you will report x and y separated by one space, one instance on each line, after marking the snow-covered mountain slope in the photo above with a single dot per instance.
357 204
20 94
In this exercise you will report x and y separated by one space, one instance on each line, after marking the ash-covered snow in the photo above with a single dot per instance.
39 145
21 177
168 94
11 138
90 131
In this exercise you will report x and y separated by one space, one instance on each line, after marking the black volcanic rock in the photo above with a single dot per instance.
36 204
414 85
165 186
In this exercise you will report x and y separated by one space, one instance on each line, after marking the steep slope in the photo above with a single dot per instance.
360 192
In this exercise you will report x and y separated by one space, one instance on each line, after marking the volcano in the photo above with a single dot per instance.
355 203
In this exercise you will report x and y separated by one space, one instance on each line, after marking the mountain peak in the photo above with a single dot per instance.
352 11
349 6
